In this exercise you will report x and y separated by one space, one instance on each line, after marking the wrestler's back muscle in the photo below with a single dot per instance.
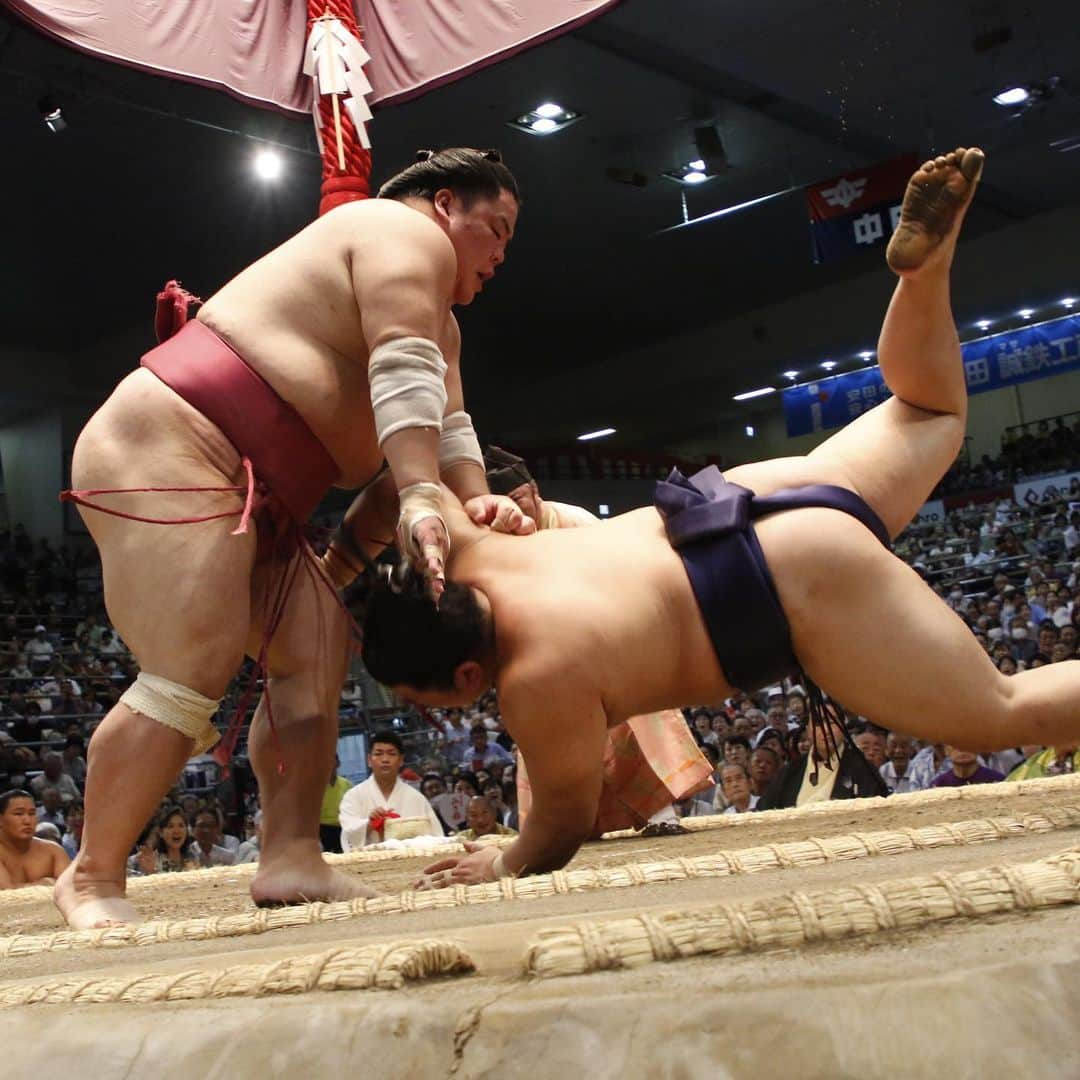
295 318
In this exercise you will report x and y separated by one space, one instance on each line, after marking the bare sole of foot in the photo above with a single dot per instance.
935 202
92 905
281 885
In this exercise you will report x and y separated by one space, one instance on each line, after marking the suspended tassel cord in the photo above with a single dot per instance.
821 711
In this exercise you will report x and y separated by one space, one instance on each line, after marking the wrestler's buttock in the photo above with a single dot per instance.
146 428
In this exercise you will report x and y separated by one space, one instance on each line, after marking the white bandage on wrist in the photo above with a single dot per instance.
408 388
177 707
458 441
498 868
417 501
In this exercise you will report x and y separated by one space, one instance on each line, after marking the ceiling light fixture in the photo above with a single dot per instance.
1015 95
1069 302
545 119
596 434
791 374
1025 313
51 114
983 324
749 431
693 172
755 393
828 365
866 355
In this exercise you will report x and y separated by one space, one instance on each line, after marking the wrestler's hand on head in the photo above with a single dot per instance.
471 869
422 536
501 513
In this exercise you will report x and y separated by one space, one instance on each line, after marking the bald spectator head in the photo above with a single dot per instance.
480 816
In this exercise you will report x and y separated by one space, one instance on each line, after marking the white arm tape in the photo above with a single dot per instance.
408 388
458 441
418 501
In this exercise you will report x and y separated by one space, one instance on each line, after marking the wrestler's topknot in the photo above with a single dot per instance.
468 173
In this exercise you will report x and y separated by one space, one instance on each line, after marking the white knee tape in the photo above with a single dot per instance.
407 379
175 706
458 441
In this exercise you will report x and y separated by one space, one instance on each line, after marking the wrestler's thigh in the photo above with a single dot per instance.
877 639
893 456
309 648
178 595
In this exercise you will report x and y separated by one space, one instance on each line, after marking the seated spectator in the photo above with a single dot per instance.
481 752
821 774
46 830
39 649
493 792
165 846
483 820
765 763
965 769
54 776
20 676
1053 761
796 706
896 770
735 782
1021 645
74 761
366 808
737 751
330 814
110 644
73 825
51 809
927 764
777 718
871 742
251 847
24 859
206 851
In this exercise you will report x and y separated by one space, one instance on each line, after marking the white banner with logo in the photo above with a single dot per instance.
932 513
1045 489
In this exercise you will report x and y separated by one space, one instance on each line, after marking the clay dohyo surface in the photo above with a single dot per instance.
990 997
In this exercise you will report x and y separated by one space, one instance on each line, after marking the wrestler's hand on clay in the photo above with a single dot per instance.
501 513
471 869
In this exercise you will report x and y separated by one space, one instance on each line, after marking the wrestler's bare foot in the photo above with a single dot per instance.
297 874
935 202
92 902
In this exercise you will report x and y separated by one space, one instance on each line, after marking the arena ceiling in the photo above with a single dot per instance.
152 179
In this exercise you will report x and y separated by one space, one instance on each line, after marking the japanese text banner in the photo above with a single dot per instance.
1018 356
858 210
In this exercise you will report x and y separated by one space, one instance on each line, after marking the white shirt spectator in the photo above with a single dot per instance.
249 851
216 856
736 810
897 786
67 787
362 801
39 648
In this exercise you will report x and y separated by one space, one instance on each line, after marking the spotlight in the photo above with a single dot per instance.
866 355
1025 313
267 165
1015 95
693 172
755 393
604 510
791 375
983 324
828 365
1069 302
749 431
545 119
596 434
51 114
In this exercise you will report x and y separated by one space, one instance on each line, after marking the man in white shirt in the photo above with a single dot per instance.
206 851
366 808
39 649
735 782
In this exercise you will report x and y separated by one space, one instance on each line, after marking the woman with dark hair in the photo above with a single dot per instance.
164 846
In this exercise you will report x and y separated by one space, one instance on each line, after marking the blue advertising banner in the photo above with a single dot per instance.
1006 359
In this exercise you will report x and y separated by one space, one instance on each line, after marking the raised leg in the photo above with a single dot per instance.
869 631
894 455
